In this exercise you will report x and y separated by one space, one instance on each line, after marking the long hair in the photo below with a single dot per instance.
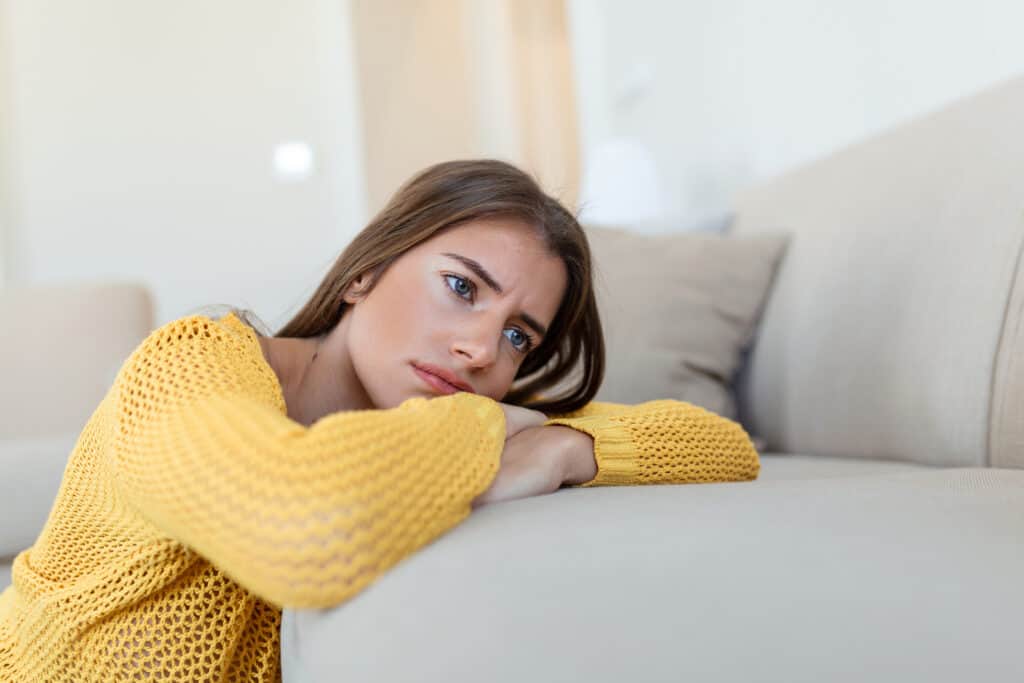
454 192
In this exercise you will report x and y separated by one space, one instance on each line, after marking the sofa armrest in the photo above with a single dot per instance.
61 348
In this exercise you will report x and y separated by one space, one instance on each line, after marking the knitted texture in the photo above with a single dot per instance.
192 509
664 442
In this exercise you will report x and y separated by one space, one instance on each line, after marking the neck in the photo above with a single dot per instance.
316 374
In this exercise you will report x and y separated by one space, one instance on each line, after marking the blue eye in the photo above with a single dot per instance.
526 342
467 286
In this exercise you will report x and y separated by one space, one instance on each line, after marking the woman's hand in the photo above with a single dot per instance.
518 418
536 460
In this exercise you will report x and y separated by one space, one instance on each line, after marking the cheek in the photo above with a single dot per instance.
499 382
405 321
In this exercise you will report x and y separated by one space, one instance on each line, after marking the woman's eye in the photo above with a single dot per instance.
462 286
520 340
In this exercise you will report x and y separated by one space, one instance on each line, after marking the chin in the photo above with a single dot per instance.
380 391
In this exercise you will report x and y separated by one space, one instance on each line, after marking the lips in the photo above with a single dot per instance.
440 380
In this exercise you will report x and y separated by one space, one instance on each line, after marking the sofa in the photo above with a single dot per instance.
882 539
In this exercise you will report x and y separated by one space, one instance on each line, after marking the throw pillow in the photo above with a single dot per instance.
678 312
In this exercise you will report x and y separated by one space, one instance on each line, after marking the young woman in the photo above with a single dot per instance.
228 473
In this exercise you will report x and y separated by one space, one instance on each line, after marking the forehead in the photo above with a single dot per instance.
515 255
509 234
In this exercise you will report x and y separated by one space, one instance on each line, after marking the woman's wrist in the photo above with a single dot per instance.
577 455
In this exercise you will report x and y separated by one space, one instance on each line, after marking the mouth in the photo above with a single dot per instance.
436 383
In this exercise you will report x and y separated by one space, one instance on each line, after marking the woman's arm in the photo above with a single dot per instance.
302 517
308 517
657 442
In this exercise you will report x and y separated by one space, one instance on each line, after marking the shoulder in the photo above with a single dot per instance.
199 354
197 335
198 328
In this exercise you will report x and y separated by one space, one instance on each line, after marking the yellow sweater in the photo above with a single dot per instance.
192 509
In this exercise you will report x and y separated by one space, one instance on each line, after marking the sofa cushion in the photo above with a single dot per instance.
31 474
908 577
678 310
789 466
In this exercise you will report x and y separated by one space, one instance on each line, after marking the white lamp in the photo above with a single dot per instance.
293 161
621 186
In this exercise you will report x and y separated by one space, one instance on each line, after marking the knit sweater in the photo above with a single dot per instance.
192 509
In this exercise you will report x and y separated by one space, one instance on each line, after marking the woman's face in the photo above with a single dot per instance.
471 301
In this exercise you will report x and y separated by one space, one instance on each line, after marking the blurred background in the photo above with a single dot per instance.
225 151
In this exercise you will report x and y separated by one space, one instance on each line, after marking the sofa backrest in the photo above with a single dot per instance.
895 328
60 350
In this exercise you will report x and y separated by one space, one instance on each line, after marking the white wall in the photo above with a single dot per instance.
141 136
727 92
5 106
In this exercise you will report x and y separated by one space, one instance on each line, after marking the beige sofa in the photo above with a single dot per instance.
882 540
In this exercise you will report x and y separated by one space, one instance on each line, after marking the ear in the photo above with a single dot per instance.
356 289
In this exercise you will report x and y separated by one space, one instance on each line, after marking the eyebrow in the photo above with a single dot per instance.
482 273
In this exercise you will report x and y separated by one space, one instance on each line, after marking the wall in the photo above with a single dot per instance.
6 207
141 131
728 92
141 136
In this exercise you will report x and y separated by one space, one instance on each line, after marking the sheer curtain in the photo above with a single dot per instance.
461 78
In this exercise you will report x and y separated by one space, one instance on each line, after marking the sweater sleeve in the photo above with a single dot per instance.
663 442
302 517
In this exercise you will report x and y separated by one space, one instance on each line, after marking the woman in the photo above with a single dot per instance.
228 474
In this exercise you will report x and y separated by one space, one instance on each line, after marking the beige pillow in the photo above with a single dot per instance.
678 311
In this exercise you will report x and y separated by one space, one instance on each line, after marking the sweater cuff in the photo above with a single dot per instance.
614 450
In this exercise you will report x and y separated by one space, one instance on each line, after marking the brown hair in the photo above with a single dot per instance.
443 196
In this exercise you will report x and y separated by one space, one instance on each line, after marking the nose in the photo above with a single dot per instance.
477 346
